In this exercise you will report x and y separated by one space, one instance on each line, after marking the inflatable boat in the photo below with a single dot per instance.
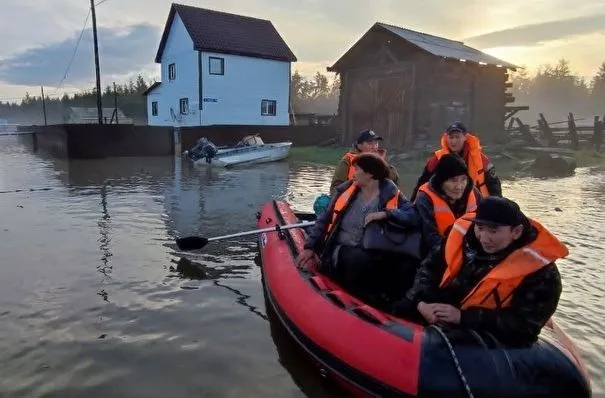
372 353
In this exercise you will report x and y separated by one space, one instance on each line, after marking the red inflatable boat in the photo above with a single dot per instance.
375 354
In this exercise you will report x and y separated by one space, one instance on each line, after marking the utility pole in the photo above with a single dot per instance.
44 105
115 101
94 34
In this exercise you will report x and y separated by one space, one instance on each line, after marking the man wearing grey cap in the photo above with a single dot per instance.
367 141
496 272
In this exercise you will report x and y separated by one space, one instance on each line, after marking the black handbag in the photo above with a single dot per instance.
390 237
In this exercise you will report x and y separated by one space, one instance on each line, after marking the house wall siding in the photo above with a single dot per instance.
235 97
178 50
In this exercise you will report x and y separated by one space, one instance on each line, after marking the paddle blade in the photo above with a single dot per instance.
191 242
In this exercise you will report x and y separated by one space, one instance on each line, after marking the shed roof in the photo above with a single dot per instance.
227 33
435 45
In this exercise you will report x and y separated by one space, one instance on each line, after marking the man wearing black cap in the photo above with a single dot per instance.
495 273
456 139
367 141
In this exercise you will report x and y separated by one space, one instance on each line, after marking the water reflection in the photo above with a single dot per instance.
87 249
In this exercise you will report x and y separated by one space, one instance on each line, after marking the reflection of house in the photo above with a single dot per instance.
220 68
81 115
405 85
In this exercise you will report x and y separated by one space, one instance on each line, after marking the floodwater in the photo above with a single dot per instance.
89 306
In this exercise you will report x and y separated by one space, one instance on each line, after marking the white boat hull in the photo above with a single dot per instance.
248 155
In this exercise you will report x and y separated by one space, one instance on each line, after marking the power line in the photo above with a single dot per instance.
74 53
100 2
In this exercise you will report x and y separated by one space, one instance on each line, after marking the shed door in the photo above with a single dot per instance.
379 103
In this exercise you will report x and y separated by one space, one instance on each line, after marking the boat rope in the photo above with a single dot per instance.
455 358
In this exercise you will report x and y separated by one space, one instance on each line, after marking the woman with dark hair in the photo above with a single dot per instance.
448 195
337 239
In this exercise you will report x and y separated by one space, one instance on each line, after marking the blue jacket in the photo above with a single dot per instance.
405 215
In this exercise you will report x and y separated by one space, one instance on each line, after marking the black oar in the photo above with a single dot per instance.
198 242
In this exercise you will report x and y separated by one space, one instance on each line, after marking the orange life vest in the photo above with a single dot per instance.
444 217
496 289
343 200
474 161
349 156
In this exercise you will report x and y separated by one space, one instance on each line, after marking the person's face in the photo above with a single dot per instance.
496 238
455 186
455 141
368 146
361 177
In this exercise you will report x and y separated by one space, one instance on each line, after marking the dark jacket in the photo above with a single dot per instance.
492 181
405 215
342 171
532 304
424 204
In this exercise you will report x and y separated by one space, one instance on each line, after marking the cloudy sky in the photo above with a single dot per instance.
38 37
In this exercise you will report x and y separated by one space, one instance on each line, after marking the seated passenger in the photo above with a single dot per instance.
337 237
448 195
456 139
367 142
496 274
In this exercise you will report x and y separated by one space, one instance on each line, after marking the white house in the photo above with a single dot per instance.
219 68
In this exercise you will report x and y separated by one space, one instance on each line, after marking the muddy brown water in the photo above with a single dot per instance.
89 306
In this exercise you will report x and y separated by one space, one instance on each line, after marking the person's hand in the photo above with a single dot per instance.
447 313
306 257
427 311
379 215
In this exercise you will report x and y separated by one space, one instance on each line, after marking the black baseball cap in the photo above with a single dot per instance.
367 135
494 211
456 127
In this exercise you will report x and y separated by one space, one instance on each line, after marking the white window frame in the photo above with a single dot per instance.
172 71
154 108
184 106
213 71
265 107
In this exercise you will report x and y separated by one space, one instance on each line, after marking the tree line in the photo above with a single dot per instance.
309 95
556 90
30 110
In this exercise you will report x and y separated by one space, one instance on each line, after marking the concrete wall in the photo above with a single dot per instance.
230 135
90 141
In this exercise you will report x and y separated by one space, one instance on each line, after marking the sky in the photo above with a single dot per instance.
39 36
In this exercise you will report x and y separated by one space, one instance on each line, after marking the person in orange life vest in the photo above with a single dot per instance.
448 195
336 239
456 139
496 273
367 142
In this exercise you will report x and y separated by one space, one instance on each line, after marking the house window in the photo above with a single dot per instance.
171 72
184 106
216 66
268 107
154 108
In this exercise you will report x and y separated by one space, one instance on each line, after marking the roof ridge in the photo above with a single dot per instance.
421 33
220 12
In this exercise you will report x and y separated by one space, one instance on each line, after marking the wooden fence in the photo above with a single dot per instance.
564 134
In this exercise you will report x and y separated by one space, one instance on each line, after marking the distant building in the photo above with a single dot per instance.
220 68
407 86
81 115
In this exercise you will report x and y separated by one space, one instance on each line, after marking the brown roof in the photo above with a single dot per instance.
227 33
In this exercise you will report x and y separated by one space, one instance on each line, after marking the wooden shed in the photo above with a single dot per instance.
408 86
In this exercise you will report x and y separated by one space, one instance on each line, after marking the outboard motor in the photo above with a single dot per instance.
204 149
